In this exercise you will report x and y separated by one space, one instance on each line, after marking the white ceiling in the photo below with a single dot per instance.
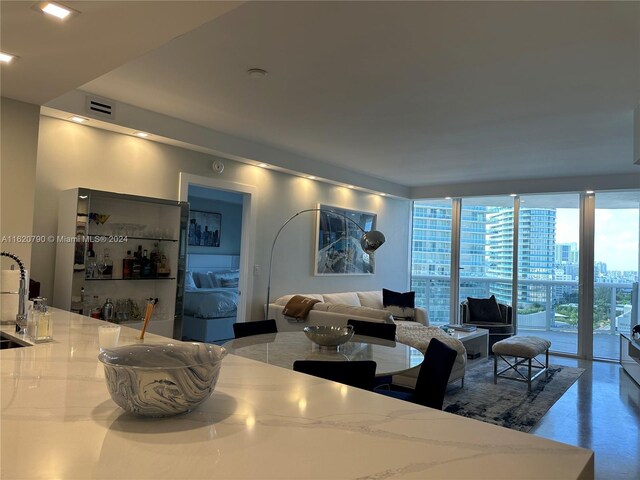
417 93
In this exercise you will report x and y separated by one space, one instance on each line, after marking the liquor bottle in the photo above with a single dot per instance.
136 268
108 271
90 261
145 268
154 258
127 265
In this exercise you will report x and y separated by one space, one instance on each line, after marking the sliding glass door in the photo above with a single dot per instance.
616 240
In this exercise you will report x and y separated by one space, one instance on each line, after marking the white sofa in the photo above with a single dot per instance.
337 308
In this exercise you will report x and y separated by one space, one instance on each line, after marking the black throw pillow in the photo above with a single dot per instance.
484 310
401 305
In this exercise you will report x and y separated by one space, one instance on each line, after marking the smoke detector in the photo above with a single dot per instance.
217 166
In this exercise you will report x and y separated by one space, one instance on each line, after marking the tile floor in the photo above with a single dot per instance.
601 411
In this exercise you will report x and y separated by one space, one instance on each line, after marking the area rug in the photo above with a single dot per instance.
508 403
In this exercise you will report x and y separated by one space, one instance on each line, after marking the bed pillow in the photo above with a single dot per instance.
202 280
189 282
227 279
401 305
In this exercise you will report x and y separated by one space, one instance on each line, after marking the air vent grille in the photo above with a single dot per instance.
100 107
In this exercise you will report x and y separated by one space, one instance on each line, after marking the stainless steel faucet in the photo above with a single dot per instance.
21 317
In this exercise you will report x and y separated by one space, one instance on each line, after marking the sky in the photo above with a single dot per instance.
616 235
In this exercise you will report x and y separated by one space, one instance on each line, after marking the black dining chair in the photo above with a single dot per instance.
386 331
259 327
359 373
432 378
373 329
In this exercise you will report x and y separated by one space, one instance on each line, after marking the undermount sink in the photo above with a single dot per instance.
7 341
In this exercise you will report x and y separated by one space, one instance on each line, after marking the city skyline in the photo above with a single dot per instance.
616 235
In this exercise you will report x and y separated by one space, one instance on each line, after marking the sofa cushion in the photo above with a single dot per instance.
372 299
484 310
282 301
346 298
357 311
401 305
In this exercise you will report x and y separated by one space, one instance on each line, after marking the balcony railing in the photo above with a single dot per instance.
538 291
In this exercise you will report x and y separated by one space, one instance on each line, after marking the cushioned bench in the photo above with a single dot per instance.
524 351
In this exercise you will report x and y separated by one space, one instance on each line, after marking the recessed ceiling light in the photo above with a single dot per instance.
350 186
141 134
257 73
513 195
263 165
311 177
78 119
6 57
447 198
383 194
589 192
61 12
83 196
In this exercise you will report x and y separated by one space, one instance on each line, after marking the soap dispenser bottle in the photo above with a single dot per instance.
43 324
34 311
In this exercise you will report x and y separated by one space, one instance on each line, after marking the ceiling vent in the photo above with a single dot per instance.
100 107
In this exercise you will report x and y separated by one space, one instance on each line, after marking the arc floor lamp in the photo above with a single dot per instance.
370 242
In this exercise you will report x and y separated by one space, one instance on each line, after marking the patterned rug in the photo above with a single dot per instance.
508 403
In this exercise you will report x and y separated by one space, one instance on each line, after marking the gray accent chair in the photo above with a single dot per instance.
497 330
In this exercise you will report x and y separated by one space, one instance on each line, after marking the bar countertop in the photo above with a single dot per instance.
262 422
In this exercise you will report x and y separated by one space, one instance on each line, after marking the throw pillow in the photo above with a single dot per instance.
484 310
401 305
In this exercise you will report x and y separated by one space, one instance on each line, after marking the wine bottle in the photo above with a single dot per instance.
127 265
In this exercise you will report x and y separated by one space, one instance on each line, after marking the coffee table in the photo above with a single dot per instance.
476 341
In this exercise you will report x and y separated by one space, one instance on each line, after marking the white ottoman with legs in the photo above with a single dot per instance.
524 351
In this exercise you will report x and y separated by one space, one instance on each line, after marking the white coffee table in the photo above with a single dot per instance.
476 341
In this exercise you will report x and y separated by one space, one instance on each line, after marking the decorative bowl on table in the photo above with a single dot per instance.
329 336
160 380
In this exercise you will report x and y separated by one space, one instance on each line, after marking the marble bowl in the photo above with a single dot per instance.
329 336
160 380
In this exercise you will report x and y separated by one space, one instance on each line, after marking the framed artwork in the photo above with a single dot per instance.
338 250
204 229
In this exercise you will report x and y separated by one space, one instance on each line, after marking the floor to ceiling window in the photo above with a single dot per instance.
470 242
431 258
616 240
486 248
548 253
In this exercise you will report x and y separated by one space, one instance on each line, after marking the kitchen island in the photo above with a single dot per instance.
262 422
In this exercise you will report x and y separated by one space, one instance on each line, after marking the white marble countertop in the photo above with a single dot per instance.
262 422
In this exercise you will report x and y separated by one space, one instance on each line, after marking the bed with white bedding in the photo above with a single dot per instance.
210 297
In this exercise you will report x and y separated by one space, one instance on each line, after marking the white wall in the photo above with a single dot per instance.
71 155
18 163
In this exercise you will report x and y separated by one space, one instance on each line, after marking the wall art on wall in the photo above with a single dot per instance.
204 228
338 250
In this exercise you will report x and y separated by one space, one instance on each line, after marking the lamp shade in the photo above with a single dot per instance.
371 241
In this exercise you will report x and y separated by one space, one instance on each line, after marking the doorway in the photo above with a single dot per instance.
219 251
